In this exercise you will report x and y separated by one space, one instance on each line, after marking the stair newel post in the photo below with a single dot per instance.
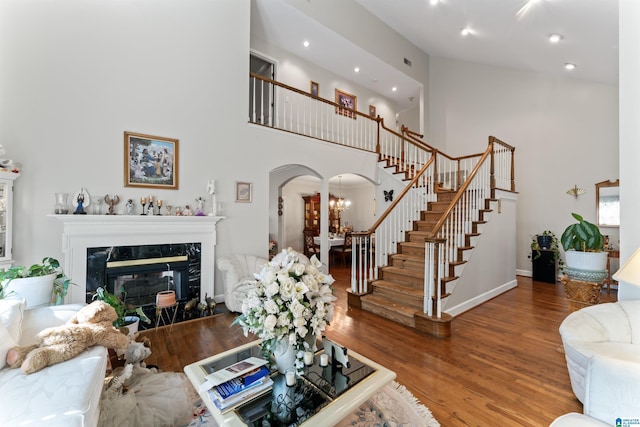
433 276
492 169
378 148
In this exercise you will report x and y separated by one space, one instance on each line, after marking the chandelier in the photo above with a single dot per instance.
341 204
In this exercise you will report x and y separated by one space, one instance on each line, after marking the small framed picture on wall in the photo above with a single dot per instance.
244 192
372 111
315 89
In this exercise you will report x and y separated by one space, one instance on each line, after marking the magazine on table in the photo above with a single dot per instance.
256 389
234 371
239 384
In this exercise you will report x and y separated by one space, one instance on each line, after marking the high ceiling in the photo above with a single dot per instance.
506 33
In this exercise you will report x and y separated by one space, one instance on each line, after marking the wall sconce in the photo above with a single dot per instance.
575 191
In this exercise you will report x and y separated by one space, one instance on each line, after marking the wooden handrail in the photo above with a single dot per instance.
460 192
395 202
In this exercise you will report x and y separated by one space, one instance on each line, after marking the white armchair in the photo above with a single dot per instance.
610 329
237 277
612 392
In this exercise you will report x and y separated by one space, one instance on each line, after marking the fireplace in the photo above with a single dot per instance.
138 273
92 235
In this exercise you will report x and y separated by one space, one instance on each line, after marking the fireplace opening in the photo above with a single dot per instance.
138 273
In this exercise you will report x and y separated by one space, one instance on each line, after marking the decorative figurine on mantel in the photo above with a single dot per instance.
150 209
82 200
130 208
187 211
211 189
199 210
111 202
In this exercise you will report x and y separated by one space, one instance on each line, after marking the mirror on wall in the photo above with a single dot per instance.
608 203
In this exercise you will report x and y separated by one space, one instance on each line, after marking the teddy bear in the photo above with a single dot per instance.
91 325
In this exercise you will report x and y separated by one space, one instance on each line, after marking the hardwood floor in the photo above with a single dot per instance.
503 365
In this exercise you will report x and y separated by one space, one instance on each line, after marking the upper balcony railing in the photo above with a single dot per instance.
276 105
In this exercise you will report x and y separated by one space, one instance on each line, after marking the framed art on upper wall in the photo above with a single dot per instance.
314 89
346 100
150 161
372 111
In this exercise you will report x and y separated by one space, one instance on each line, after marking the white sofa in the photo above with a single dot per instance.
237 276
609 330
66 394
612 392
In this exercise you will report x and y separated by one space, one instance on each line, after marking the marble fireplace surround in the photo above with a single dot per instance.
89 231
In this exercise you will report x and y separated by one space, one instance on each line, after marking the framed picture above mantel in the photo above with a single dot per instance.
150 161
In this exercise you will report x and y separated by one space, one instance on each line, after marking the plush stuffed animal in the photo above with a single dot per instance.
91 325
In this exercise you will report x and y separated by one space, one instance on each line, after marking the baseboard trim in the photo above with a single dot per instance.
474 302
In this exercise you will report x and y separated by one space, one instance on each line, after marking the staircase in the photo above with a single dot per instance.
407 265
398 292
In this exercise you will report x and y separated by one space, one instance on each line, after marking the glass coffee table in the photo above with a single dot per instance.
328 393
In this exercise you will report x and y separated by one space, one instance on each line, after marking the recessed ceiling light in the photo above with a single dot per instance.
465 31
569 66
305 43
357 69
555 38
394 88
434 2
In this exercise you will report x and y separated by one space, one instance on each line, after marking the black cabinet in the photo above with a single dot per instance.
544 266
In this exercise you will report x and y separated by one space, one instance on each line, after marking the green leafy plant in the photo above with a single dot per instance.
47 266
582 236
554 247
122 309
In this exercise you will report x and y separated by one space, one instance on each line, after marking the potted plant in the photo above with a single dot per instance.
584 250
586 263
128 314
40 284
546 240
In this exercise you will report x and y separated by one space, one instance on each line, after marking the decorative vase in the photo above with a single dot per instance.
284 355
544 242
62 204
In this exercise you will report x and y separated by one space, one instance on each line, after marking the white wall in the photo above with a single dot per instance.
77 74
565 132
364 29
629 11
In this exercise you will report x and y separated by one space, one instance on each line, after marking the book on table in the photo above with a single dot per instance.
232 401
233 371
240 384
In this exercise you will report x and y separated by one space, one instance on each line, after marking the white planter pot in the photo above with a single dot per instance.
132 323
37 291
587 261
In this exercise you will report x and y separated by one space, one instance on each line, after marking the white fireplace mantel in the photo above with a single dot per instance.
90 231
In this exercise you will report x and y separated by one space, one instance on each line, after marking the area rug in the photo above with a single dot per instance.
394 405
137 396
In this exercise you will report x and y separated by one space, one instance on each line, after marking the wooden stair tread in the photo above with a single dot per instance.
399 287
385 303
408 257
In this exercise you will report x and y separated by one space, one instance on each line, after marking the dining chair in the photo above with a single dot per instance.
344 252
310 247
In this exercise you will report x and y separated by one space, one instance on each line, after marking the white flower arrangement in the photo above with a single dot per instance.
291 300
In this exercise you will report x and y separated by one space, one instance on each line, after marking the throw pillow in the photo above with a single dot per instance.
6 342
11 315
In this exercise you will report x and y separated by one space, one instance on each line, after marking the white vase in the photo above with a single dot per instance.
284 355
37 291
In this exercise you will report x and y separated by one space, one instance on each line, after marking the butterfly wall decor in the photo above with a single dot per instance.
388 196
